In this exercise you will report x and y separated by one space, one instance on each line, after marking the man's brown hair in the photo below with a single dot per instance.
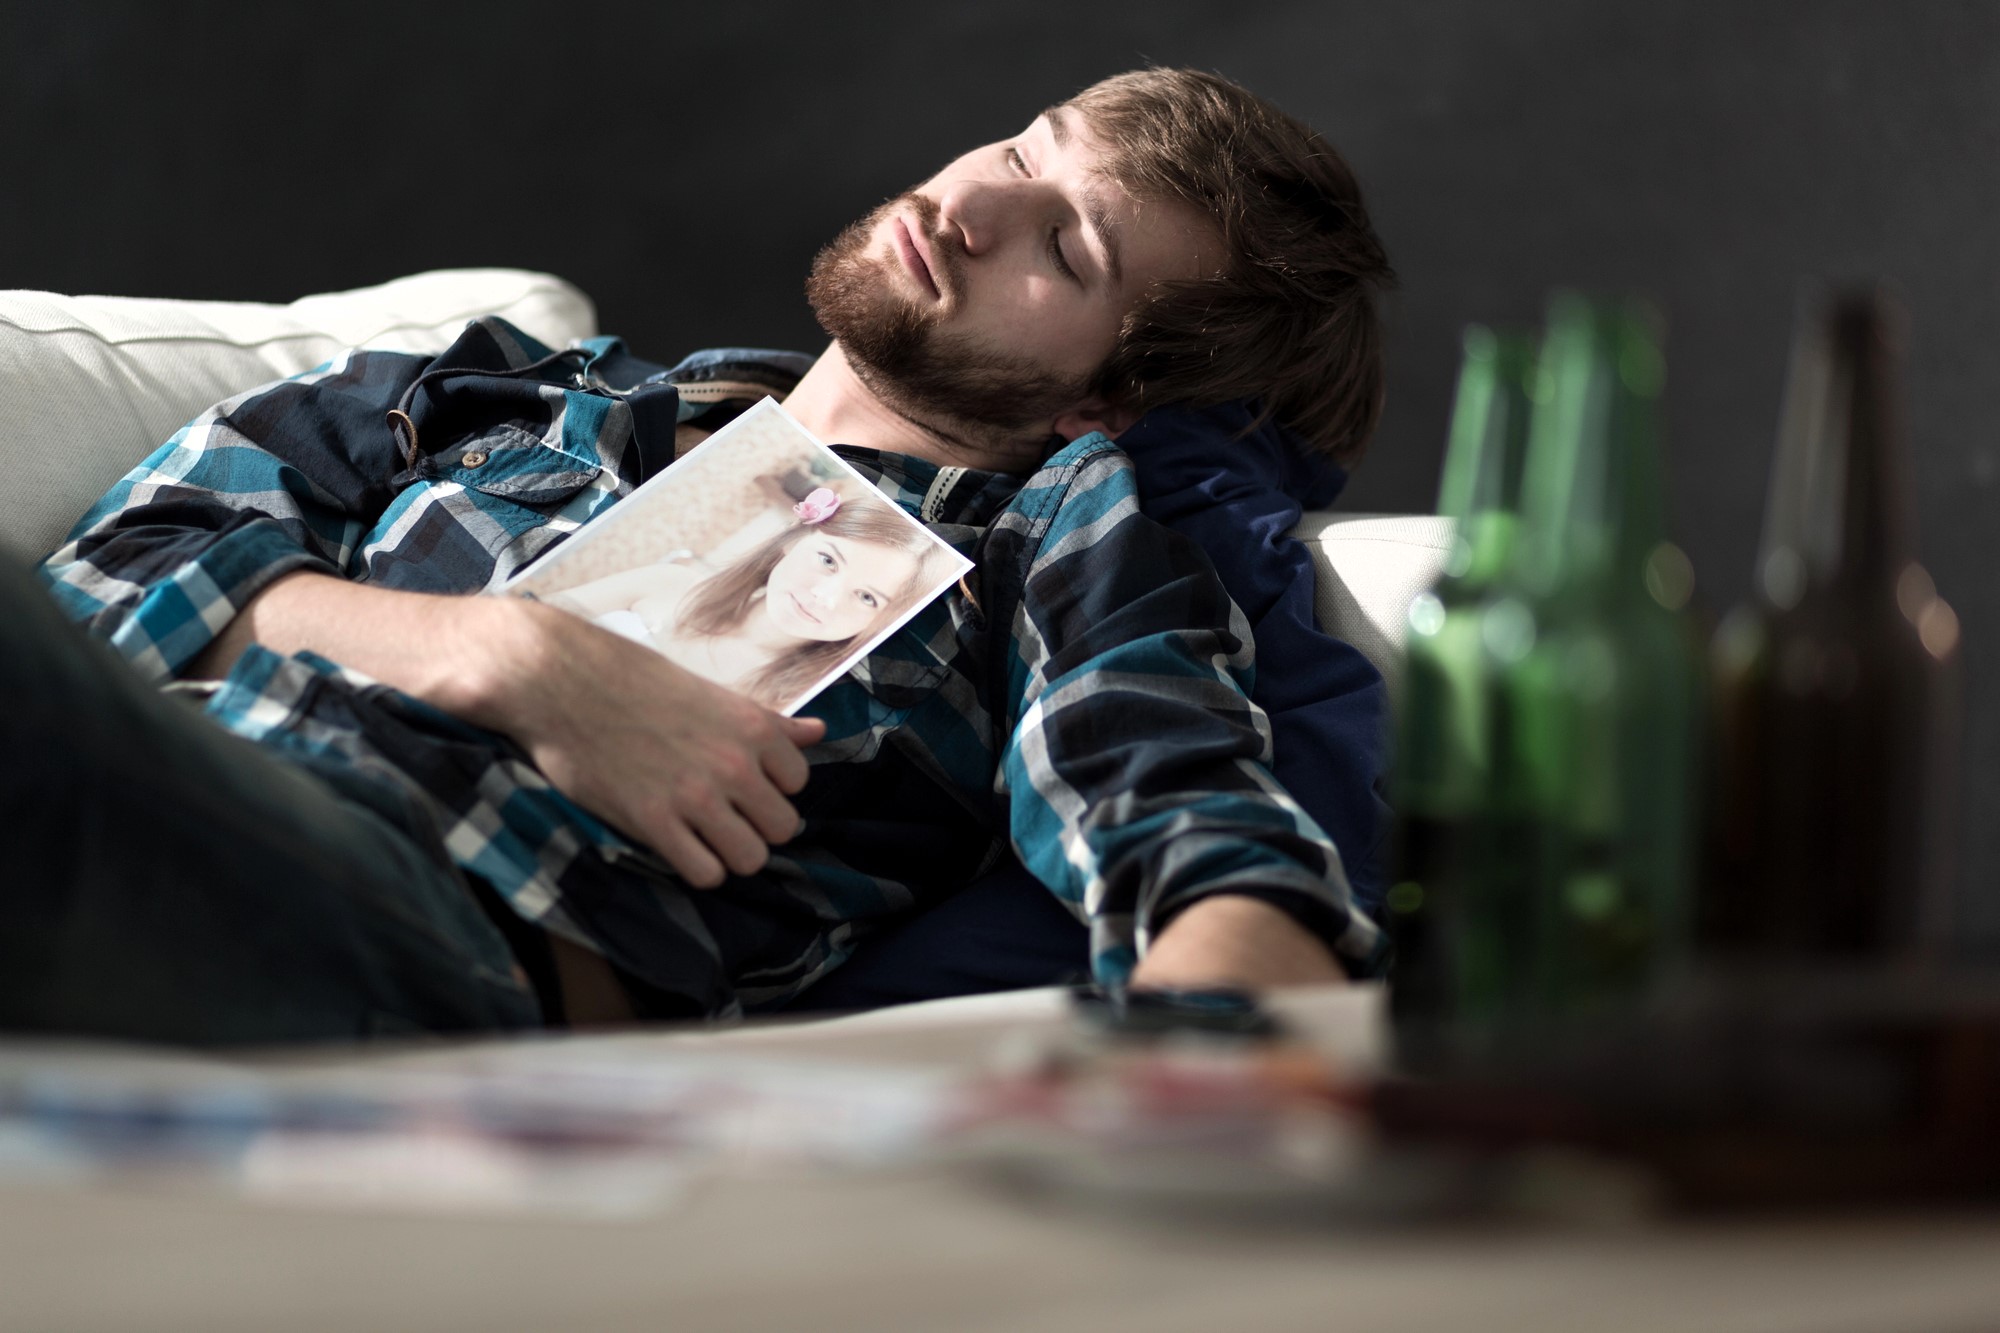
1291 318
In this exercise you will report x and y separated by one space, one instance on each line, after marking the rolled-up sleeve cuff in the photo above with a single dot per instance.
182 613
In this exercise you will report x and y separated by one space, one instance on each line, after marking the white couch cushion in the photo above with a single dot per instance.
89 385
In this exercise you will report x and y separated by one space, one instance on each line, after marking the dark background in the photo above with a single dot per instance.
682 164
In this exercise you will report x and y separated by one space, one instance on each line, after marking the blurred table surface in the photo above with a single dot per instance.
929 1249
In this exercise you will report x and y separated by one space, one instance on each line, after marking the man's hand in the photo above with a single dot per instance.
1232 941
693 770
697 772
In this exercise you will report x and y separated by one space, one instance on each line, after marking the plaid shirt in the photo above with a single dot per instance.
1088 701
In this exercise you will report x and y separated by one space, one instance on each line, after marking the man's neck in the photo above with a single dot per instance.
833 403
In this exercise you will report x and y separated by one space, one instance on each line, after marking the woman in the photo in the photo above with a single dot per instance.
784 614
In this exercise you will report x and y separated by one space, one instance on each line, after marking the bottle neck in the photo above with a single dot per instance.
1839 510
1592 505
1485 455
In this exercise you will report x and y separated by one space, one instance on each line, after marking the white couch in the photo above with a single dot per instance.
89 385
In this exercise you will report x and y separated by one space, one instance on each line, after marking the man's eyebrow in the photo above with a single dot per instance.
1095 214
1098 217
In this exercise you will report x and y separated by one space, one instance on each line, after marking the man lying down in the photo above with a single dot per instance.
368 803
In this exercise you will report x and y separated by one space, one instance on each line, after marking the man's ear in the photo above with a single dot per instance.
1093 414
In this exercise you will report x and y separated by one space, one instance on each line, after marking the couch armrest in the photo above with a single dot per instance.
1370 567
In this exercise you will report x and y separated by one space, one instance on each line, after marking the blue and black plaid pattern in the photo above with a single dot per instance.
1084 697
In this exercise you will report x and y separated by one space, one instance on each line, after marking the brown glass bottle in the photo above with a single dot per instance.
1830 681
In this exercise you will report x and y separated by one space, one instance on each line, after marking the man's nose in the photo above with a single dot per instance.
985 213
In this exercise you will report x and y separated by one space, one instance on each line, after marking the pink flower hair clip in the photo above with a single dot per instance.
818 507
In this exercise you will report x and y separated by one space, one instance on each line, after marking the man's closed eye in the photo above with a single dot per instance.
1061 265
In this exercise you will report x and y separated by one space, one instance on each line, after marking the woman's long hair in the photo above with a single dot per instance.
724 601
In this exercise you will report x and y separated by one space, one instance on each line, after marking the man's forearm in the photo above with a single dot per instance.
460 653
695 771
1236 941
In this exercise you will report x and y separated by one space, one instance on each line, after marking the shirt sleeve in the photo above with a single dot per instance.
284 477
1237 488
1137 770
326 471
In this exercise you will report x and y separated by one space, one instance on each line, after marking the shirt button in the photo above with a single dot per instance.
473 457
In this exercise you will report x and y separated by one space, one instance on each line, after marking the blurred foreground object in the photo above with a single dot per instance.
1599 678
1552 735
1452 900
1796 1095
1810 1043
1834 684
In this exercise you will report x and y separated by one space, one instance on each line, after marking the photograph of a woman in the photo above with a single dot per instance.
775 620
760 560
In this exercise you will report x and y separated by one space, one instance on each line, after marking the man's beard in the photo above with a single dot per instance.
940 380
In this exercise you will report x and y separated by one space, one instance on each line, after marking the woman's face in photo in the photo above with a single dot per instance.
827 587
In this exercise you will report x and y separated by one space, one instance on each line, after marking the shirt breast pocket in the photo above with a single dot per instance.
478 508
514 465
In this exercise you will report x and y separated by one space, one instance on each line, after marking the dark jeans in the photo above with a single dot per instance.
164 880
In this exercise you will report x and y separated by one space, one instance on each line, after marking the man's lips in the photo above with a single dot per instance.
910 249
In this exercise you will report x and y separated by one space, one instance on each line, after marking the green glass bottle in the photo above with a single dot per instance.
1597 724
1833 681
1443 773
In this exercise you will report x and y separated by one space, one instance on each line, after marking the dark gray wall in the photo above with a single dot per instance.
682 166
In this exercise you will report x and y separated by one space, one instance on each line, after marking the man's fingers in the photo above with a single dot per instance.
689 856
708 850
696 771
783 762
774 818
804 730
732 839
